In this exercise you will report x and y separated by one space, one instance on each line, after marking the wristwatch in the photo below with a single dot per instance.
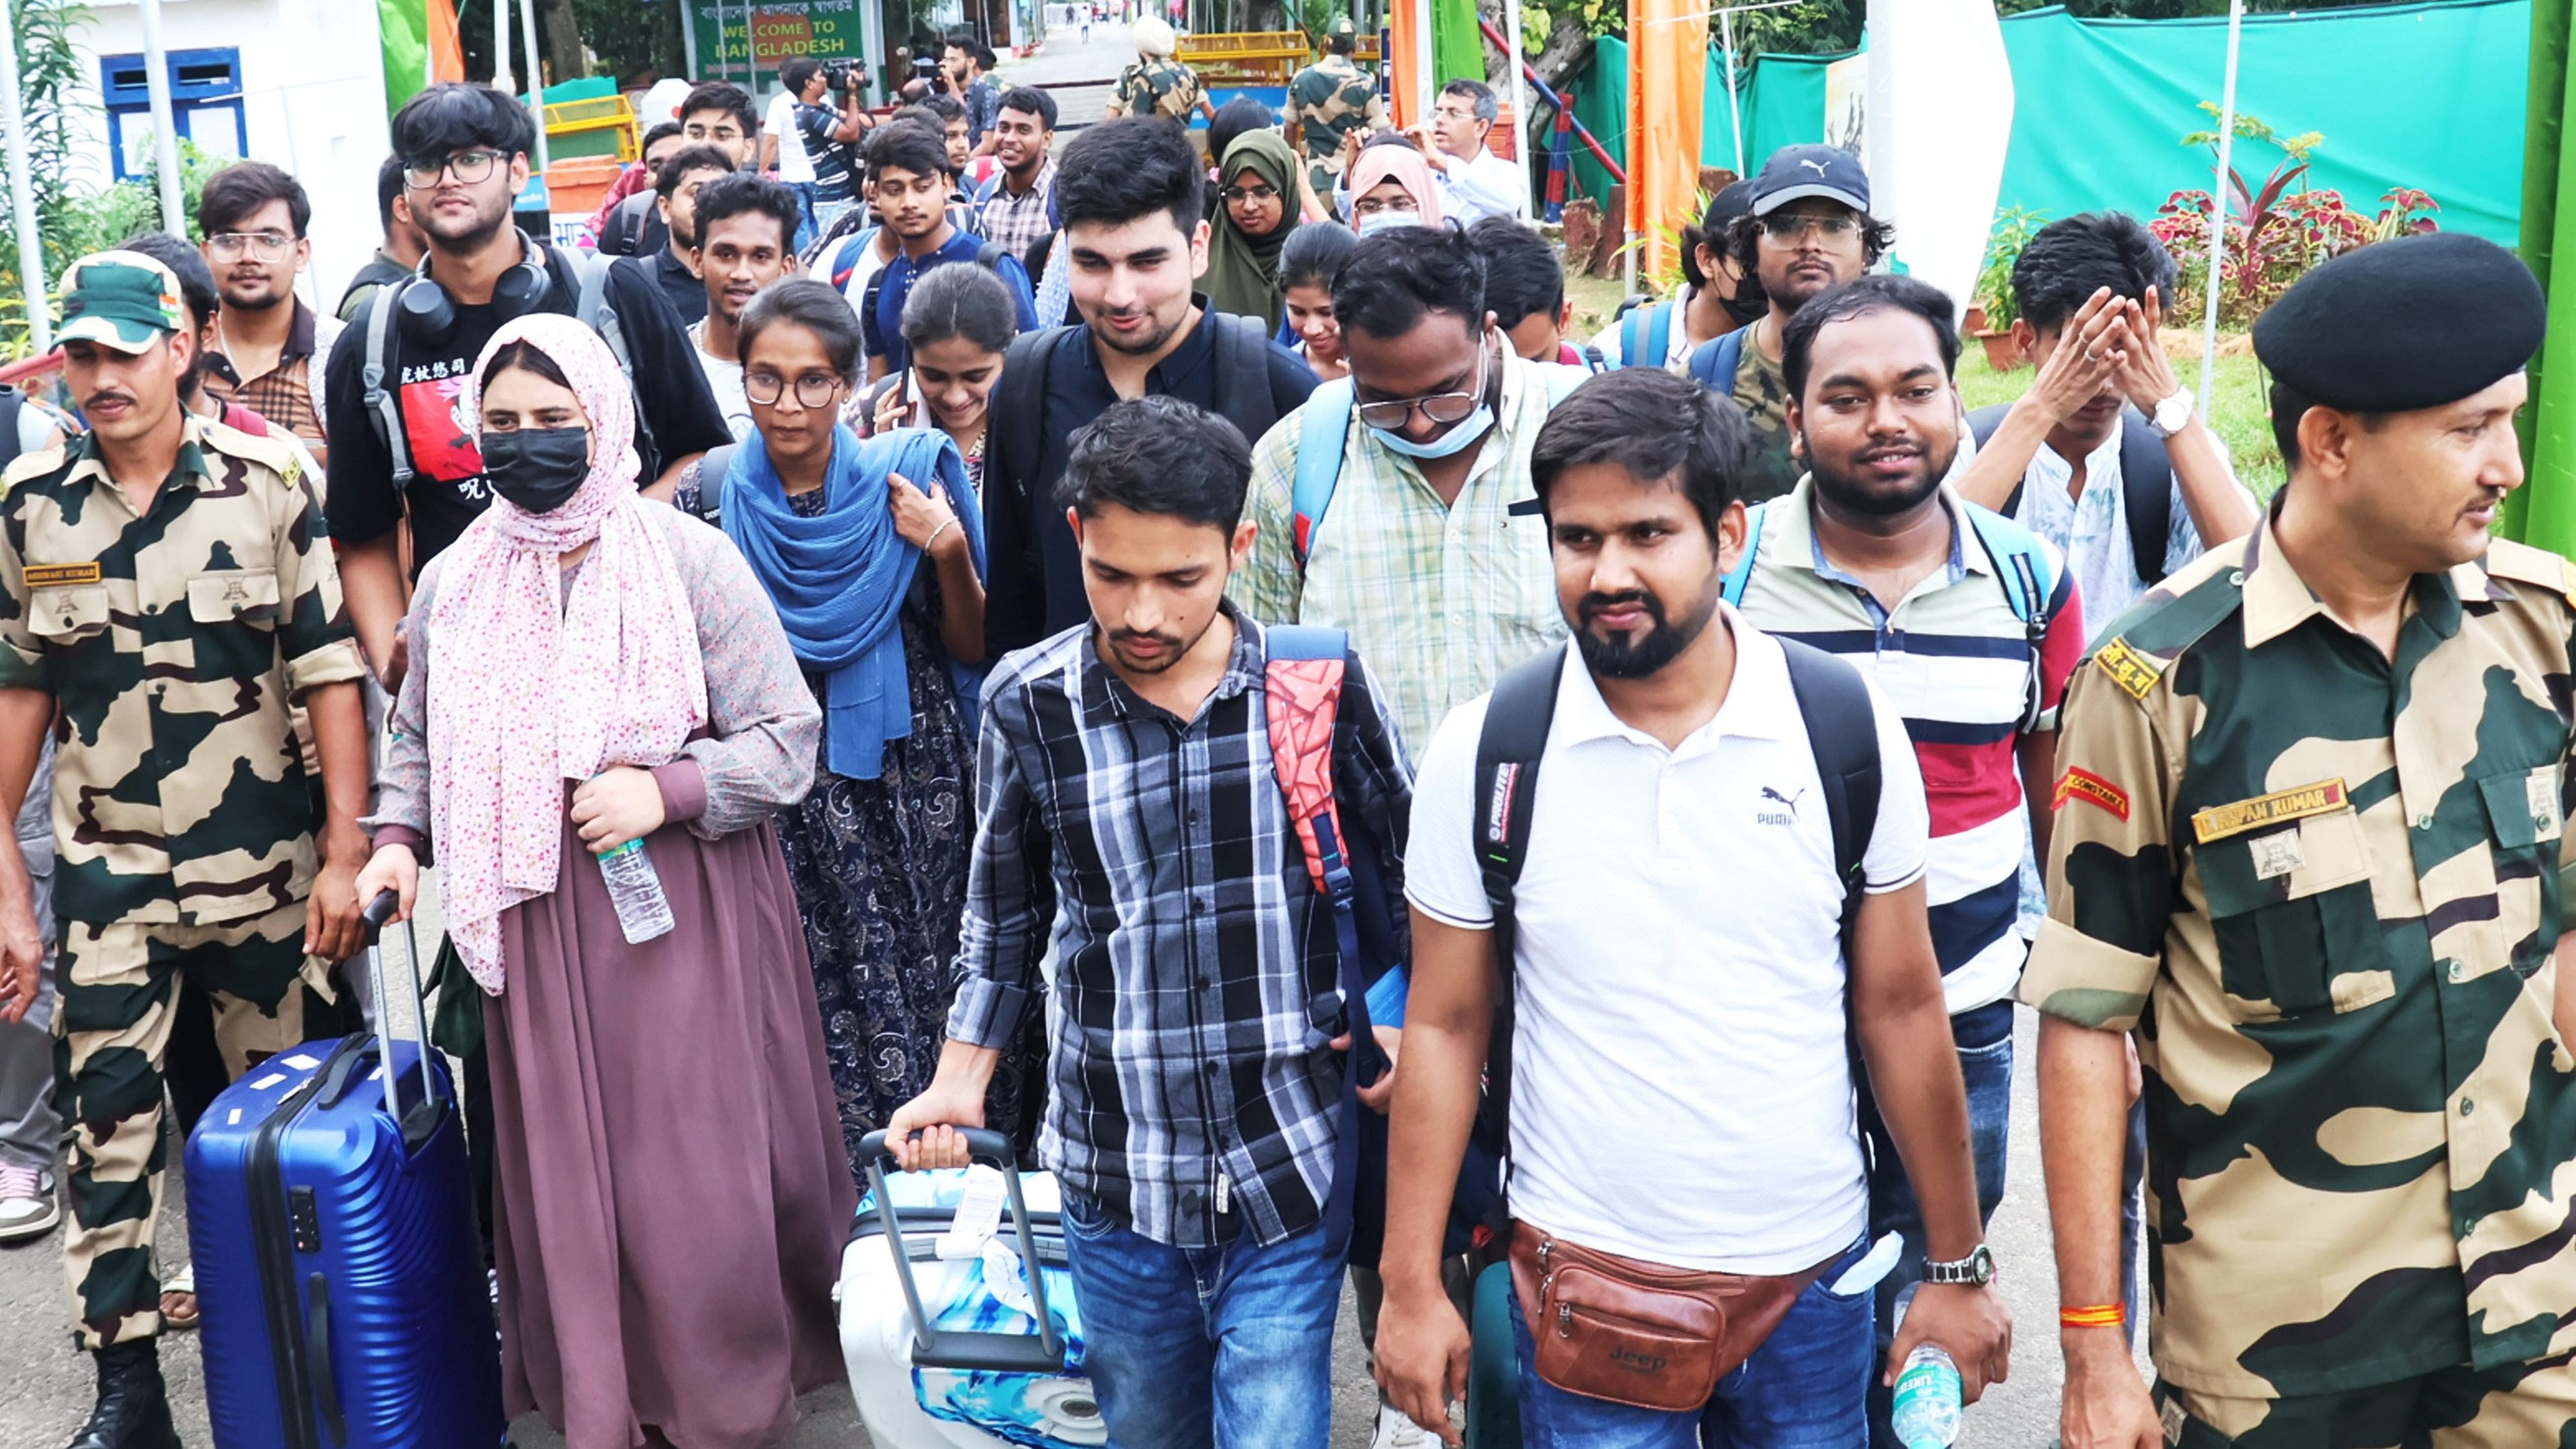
1977 1269
2173 414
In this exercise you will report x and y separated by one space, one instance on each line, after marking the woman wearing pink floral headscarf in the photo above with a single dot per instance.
590 668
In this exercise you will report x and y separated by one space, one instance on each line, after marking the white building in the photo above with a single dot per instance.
299 84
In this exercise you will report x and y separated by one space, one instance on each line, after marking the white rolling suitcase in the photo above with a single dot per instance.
956 1351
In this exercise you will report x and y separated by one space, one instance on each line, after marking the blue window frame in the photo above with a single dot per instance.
205 106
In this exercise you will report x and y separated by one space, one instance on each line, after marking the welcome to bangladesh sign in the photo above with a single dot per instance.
734 38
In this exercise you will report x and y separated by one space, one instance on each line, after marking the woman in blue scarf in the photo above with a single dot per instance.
872 551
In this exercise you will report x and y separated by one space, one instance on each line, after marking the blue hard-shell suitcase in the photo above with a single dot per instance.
338 1273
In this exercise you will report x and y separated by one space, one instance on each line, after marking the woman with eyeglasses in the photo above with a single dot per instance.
600 720
871 550
1257 213
1391 185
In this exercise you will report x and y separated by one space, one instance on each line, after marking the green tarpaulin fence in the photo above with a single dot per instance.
2543 511
2425 95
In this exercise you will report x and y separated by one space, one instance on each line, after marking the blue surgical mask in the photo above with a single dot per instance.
1466 433
1378 221
1462 435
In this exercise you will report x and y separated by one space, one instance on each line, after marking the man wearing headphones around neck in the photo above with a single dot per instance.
465 153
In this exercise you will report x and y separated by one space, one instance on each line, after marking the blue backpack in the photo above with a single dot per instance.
1320 437
1646 335
2022 569
1713 363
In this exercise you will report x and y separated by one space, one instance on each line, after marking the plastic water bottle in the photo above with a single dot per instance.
643 912
1926 1411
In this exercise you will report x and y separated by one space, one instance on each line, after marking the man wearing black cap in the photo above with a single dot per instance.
2309 838
1808 230
1717 296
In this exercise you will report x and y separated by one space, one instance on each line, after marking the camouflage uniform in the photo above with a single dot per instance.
1762 390
2332 937
181 817
1163 88
1332 100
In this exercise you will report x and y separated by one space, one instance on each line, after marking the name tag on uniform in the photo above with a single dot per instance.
2297 803
49 576
2540 792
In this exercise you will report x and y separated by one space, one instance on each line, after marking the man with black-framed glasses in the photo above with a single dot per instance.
270 348
1418 553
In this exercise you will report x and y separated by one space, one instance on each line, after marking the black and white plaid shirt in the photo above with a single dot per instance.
1197 976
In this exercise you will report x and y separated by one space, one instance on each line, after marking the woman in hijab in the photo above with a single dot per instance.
1256 216
592 672
872 551
1391 185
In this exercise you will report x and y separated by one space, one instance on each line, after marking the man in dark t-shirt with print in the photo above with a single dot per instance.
465 149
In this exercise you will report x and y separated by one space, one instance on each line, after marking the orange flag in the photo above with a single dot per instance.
1668 75
1412 52
446 47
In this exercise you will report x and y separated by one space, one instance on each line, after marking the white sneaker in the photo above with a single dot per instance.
28 1205
1396 1431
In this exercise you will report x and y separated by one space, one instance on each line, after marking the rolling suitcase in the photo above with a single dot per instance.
958 1352
338 1271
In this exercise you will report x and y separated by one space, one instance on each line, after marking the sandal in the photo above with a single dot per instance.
179 1300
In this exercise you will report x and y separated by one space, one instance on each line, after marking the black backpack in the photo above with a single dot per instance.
12 406
1013 440
1842 730
2146 485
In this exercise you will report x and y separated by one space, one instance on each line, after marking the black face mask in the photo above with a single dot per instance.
537 469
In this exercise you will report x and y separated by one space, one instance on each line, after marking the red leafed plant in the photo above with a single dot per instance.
2274 234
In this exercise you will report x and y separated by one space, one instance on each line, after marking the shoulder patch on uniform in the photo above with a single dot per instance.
28 466
273 453
2296 803
2523 564
2135 673
2079 783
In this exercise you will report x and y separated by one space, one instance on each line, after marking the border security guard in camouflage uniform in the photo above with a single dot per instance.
1157 85
2308 850
165 585
1329 102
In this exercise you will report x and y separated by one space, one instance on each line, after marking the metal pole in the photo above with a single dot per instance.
165 135
689 36
2218 197
501 46
22 193
1628 235
536 76
1734 104
1520 99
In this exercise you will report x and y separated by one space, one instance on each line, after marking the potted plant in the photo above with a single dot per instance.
1991 315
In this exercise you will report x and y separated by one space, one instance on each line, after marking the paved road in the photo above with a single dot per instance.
1078 72
45 1386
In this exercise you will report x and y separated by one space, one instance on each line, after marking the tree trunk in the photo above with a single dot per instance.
563 42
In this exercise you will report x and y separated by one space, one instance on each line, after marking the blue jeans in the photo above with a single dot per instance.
1985 1042
1800 1390
805 232
1188 1347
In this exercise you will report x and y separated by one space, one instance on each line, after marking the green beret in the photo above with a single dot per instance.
2406 324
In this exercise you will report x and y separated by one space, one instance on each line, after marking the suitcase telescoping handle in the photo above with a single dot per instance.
1008 1353
416 1128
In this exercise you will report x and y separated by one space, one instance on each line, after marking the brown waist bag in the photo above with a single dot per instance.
1641 1334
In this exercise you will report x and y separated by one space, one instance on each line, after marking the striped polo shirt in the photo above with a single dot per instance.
1955 661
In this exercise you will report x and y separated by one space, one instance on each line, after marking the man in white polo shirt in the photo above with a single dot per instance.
783 148
1680 1088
